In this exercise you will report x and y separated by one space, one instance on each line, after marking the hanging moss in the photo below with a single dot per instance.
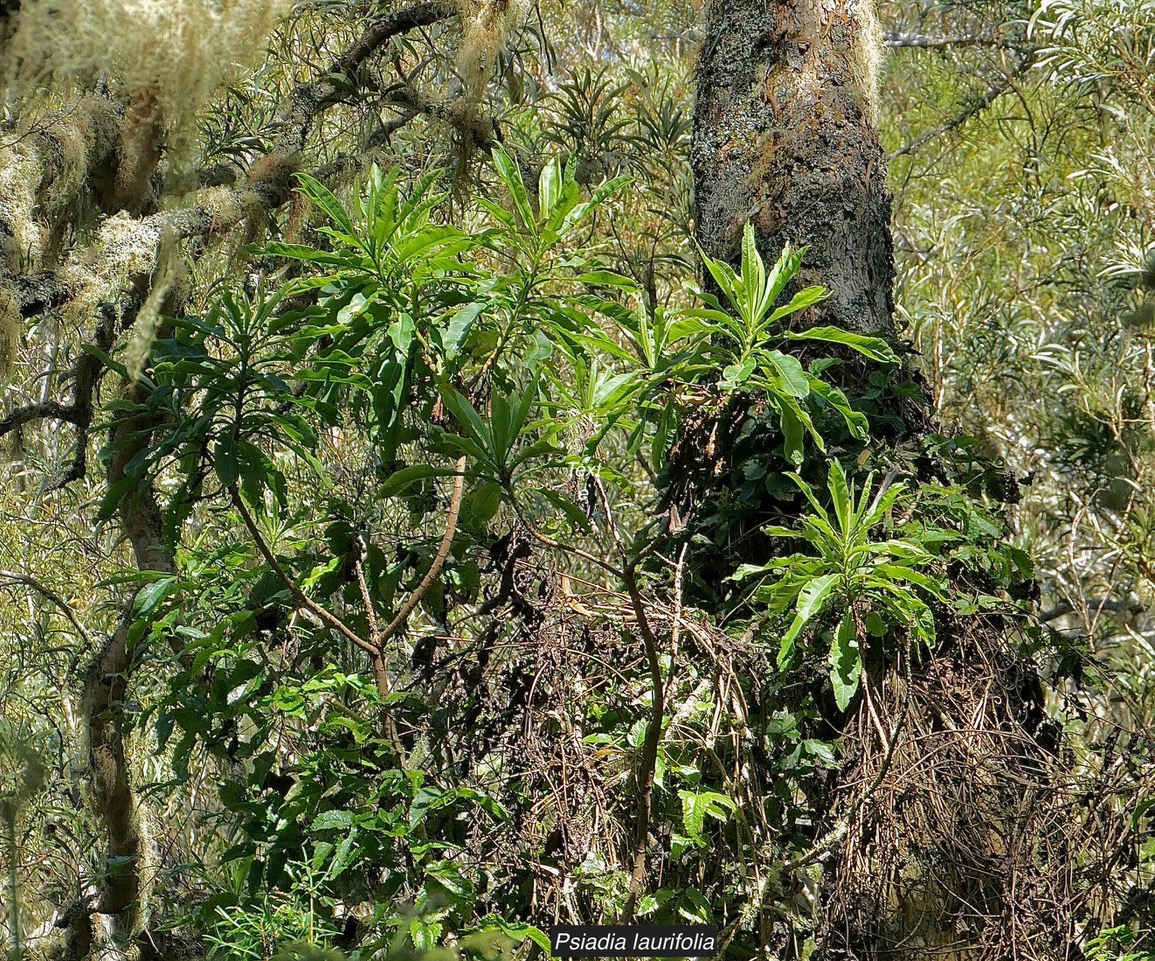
71 142
167 278
170 55
124 254
486 25
21 172
270 180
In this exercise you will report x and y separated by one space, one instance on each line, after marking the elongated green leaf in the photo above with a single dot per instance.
574 515
149 597
460 325
845 662
511 175
815 595
326 200
800 301
402 479
753 287
786 648
774 530
808 493
106 360
784 270
549 187
902 573
225 460
841 497
793 431
607 278
467 417
873 347
520 410
725 277
791 377
883 502
579 212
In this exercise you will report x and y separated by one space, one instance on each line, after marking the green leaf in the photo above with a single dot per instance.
401 332
327 201
467 417
813 597
786 648
800 301
519 931
483 504
511 175
845 662
402 479
697 806
606 278
873 347
225 460
110 502
900 573
573 514
883 502
753 277
734 376
842 498
724 276
549 187
149 597
793 432
106 360
333 821
790 376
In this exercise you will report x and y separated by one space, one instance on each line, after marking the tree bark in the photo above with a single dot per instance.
120 905
784 138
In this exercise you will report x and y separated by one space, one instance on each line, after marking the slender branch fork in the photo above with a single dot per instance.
374 644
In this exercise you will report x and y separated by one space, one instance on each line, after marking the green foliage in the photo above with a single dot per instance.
413 723
513 349
882 585
1115 944
748 361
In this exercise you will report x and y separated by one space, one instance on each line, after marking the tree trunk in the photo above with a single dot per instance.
119 909
784 138
944 789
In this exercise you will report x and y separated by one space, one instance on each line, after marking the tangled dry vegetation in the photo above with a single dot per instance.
973 829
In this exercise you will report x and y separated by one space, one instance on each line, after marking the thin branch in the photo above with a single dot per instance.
44 410
556 545
29 581
309 99
302 598
925 42
1095 606
649 759
975 107
363 586
439 559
